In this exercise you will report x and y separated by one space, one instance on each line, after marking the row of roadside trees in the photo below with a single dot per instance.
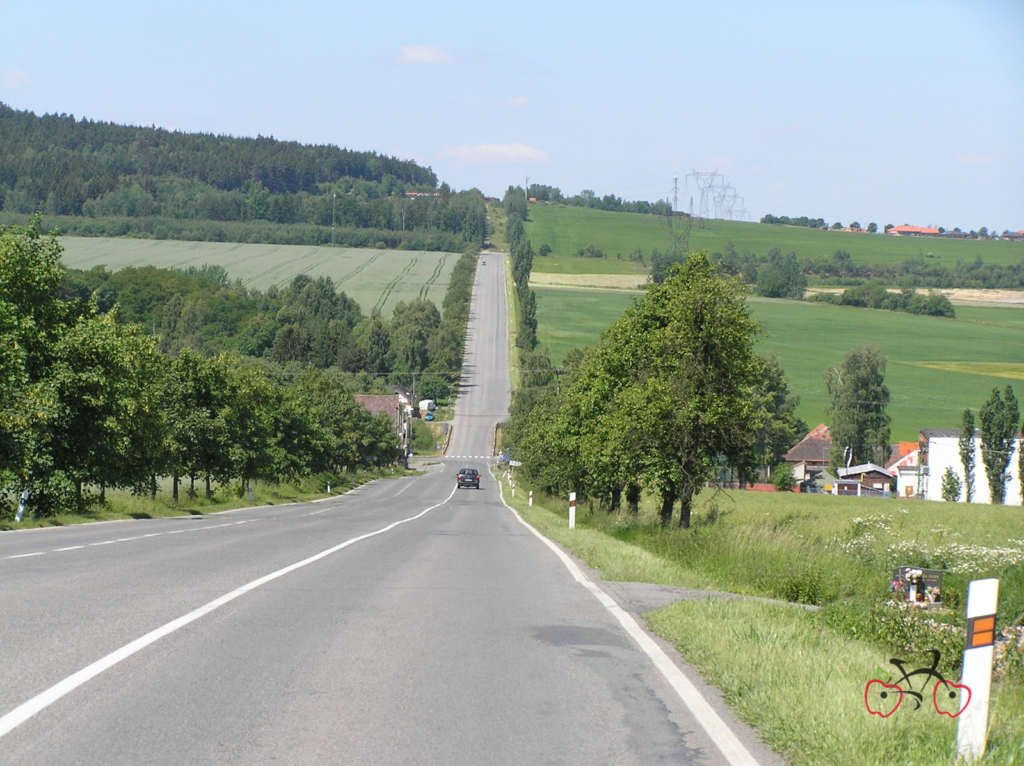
88 403
673 394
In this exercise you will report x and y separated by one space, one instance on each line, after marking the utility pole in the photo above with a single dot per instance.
334 207
675 207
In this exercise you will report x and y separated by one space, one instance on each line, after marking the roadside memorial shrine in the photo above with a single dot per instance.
917 586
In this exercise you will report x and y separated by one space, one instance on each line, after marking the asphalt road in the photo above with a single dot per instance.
403 622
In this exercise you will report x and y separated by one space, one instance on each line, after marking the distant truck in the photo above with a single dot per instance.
427 405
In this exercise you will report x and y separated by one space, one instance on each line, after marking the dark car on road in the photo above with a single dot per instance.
468 477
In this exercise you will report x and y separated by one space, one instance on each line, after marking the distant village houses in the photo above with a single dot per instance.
913 470
914 231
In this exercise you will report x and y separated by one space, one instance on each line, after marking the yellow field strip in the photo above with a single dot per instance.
606 281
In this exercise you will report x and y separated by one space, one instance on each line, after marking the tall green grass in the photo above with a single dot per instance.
802 688
121 505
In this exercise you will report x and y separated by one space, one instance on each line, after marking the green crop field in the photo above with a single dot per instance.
568 229
936 366
376 279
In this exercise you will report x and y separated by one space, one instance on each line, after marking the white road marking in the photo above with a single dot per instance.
718 730
41 701
129 539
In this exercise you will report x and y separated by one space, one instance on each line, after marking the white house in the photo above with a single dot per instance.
943 451
904 465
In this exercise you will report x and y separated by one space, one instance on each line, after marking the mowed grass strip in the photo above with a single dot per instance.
936 367
568 229
364 274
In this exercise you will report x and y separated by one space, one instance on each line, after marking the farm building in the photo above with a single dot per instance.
396 406
913 231
810 456
943 451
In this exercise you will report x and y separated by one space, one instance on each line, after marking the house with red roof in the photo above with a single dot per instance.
913 231
810 455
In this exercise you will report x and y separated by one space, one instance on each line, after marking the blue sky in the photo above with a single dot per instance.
895 112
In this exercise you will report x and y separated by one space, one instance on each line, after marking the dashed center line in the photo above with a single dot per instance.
126 539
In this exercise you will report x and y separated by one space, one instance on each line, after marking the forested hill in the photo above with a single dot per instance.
150 180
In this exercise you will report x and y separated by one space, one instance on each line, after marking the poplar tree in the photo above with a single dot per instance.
966 445
998 416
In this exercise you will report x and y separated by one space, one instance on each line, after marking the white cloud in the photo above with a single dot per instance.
519 101
975 158
424 54
496 153
14 78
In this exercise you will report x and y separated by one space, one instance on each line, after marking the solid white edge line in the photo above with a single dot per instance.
44 699
717 729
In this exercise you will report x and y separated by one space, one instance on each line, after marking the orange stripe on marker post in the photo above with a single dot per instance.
981 631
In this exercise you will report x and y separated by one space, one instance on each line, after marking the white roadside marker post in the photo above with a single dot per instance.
572 510
530 500
21 506
972 726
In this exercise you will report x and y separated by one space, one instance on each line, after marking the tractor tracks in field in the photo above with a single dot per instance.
382 299
433 277
345 277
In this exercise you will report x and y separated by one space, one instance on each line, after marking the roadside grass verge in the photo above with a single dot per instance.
121 505
799 677
802 688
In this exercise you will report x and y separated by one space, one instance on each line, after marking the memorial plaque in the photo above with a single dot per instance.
927 589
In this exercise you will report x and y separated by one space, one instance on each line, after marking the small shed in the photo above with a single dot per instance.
863 479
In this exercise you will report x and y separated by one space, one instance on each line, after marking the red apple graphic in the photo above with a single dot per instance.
886 698
953 697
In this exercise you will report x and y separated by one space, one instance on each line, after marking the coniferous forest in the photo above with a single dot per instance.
101 179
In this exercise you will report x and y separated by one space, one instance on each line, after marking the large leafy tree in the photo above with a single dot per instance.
998 425
670 388
109 426
966 448
776 425
860 424
32 318
195 397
